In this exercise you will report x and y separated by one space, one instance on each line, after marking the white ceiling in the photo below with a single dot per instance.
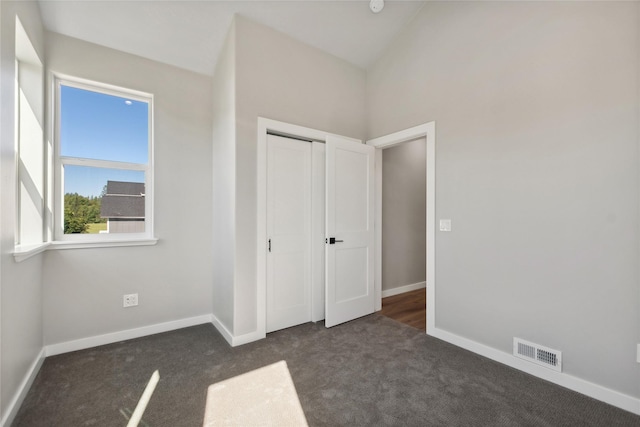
190 34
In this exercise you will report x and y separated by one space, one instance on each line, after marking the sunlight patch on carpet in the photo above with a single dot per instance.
264 397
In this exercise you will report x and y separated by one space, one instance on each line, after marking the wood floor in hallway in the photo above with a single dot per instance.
409 308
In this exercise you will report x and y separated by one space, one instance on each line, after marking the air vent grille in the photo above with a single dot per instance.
537 354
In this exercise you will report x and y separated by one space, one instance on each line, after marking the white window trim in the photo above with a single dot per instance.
76 241
59 245
23 252
17 239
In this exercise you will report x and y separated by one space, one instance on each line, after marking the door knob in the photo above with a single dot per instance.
333 241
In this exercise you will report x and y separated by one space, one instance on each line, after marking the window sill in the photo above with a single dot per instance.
23 252
59 245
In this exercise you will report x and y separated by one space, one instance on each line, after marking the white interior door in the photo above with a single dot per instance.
349 222
289 232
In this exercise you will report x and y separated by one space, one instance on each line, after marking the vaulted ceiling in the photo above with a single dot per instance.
190 34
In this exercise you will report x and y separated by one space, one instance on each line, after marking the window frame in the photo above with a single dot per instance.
70 241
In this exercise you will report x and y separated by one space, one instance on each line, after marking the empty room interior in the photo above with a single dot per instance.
226 191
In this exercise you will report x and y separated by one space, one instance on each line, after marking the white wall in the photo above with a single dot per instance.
20 283
282 79
536 107
404 211
83 288
224 173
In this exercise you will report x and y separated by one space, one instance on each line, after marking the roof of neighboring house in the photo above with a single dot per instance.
123 187
123 200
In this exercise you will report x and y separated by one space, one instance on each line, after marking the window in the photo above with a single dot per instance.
103 173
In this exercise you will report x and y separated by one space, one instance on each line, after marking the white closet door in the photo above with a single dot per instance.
349 222
289 231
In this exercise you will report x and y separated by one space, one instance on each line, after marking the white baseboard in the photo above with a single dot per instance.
403 289
247 338
18 398
226 334
232 339
84 343
612 397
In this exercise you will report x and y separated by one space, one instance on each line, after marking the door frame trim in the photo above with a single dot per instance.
428 131
268 125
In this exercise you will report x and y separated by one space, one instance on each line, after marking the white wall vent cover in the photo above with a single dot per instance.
538 354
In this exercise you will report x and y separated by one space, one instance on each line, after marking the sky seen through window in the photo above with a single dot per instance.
99 126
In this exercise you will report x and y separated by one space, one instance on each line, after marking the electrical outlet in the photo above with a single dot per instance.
130 300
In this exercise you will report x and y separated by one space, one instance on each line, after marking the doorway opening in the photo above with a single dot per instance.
427 131
403 225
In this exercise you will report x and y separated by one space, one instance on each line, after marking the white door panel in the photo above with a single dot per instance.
288 230
349 219
350 167
350 284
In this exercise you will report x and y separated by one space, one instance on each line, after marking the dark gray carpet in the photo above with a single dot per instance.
372 371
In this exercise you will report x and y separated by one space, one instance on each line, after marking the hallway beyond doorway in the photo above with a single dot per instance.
408 308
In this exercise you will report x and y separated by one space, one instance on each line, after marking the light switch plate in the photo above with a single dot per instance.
638 354
445 225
